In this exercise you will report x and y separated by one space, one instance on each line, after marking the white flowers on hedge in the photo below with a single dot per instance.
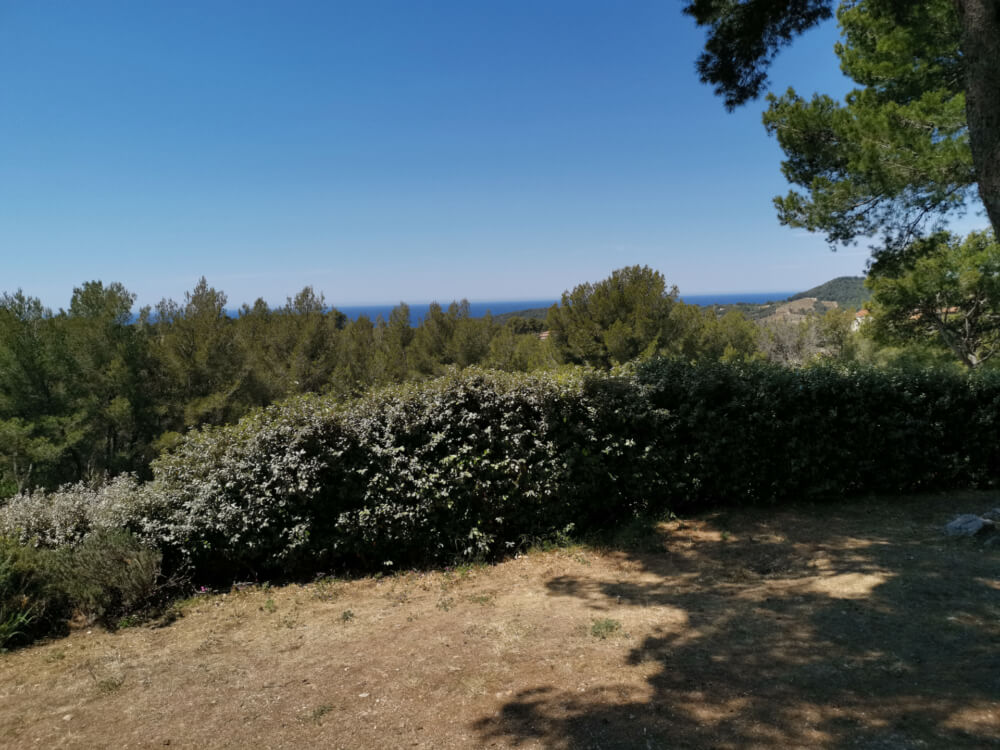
67 515
469 464
477 462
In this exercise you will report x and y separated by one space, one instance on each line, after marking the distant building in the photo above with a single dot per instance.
861 316
543 335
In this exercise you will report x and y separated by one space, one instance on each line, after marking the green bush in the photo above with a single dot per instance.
29 606
468 465
110 575
759 432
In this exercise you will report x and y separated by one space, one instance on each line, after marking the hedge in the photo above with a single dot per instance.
476 463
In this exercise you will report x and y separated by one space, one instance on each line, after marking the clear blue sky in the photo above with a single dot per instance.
499 149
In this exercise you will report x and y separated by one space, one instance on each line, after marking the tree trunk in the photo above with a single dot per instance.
980 21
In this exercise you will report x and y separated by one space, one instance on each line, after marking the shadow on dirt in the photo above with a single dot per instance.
860 630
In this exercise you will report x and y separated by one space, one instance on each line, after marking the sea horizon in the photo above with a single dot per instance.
479 309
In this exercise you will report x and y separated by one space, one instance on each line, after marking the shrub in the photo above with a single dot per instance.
65 517
466 465
759 432
109 576
29 606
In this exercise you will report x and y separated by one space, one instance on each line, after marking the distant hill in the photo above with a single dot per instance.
846 291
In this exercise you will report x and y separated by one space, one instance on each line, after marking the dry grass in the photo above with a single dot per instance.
850 625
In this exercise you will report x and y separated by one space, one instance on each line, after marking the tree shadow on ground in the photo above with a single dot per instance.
866 630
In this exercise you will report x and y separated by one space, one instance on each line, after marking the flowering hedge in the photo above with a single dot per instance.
473 464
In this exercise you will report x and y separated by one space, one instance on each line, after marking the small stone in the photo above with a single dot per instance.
67 717
992 515
967 524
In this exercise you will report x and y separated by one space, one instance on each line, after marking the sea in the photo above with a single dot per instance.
418 311
479 309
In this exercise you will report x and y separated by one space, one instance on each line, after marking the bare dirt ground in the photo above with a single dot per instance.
848 625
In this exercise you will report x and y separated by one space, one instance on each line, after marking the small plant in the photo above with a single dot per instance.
483 599
128 621
605 628
446 603
325 588
346 616
319 712
110 684
269 606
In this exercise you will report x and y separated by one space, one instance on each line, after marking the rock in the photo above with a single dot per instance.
992 515
968 524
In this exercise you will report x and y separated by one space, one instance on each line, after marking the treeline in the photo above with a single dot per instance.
94 390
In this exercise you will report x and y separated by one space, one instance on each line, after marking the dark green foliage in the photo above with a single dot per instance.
905 149
758 432
616 320
942 290
109 575
471 464
30 606
744 38
534 314
94 392
894 158
846 291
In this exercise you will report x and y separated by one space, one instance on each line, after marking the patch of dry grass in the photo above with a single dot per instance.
852 624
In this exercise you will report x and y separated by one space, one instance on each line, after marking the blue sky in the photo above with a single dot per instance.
384 151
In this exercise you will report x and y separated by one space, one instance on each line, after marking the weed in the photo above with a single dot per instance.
401 597
604 628
326 588
346 616
464 570
269 606
446 603
128 621
483 599
110 684
319 712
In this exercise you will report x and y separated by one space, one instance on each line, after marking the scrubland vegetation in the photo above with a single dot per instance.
479 464
142 456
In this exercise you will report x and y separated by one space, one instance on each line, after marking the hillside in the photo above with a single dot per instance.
846 291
